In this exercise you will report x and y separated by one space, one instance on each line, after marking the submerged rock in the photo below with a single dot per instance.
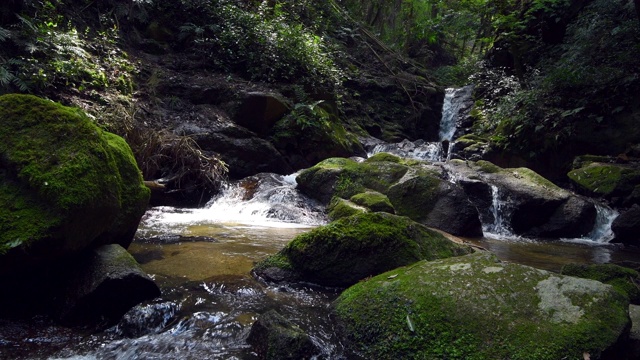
354 247
103 286
275 338
476 307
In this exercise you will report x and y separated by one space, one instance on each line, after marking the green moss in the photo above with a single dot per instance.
374 201
277 260
67 176
345 178
384 157
475 307
339 208
605 179
352 248
624 280
415 197
487 167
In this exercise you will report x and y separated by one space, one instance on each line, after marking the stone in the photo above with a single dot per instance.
626 227
477 307
355 247
103 286
65 184
275 338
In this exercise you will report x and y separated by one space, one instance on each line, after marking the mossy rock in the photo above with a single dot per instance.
65 184
274 337
345 178
606 179
339 208
352 248
624 280
476 307
373 201
384 157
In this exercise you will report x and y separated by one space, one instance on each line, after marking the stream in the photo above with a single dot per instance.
202 260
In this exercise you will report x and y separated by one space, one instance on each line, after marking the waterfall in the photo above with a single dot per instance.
496 223
454 102
602 232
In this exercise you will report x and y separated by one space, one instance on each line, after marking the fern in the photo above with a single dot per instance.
4 34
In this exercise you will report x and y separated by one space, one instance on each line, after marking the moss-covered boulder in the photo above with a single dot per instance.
426 198
346 178
352 248
373 201
311 133
624 280
606 180
387 183
476 307
65 185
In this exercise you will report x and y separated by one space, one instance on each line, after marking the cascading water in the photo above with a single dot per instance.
265 199
496 223
602 232
454 102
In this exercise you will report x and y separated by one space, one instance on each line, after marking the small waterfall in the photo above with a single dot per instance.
602 232
268 200
454 101
496 223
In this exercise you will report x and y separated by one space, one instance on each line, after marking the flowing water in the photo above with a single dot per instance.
202 260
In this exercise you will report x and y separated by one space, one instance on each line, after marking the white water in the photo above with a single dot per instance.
272 201
498 226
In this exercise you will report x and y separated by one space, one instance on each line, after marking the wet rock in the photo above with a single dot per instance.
103 286
532 205
615 182
434 202
354 247
478 307
274 337
146 319
626 227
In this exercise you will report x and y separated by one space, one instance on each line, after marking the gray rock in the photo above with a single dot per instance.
103 286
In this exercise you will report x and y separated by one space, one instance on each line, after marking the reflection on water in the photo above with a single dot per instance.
552 255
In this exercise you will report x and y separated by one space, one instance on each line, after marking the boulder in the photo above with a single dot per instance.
259 111
429 200
103 286
339 208
352 248
611 181
65 185
476 307
626 227
531 205
244 152
273 337
374 201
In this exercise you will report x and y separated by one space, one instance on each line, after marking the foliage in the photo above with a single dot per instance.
554 95
269 43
